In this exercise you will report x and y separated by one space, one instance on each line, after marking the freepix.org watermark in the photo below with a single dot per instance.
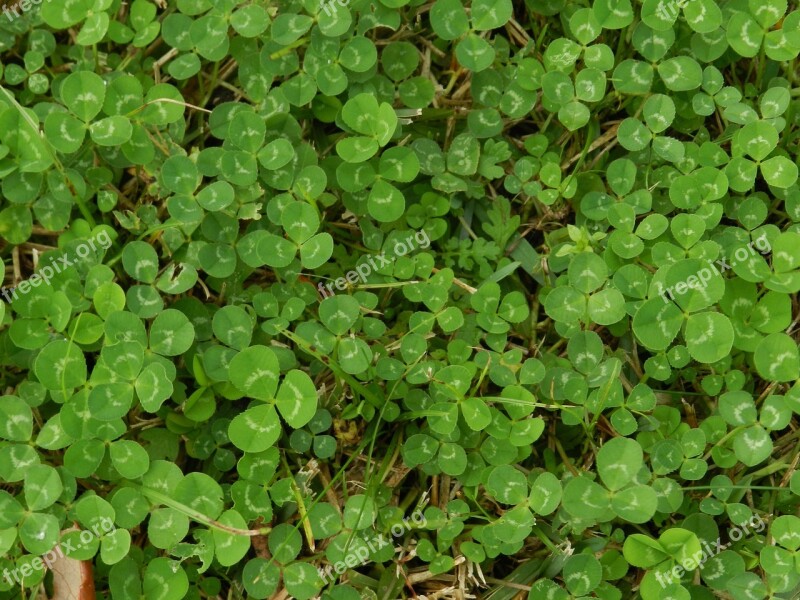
365 268
669 11
61 550
360 556
700 279
12 10
47 272
708 551
328 5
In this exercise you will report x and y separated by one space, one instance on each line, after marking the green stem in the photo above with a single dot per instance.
724 439
196 515
768 470
301 506
59 166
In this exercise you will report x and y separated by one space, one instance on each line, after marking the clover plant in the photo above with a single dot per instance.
400 299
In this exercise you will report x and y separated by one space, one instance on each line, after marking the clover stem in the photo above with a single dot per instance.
301 507
565 458
196 515
544 539
287 49
724 439
392 452
768 470
59 166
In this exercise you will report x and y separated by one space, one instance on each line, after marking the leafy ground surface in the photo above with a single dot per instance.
448 301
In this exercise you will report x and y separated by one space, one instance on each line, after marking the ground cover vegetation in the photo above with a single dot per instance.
394 299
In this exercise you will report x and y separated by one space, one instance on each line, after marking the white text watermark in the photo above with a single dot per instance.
708 551
63 549
45 273
365 268
360 556
701 279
